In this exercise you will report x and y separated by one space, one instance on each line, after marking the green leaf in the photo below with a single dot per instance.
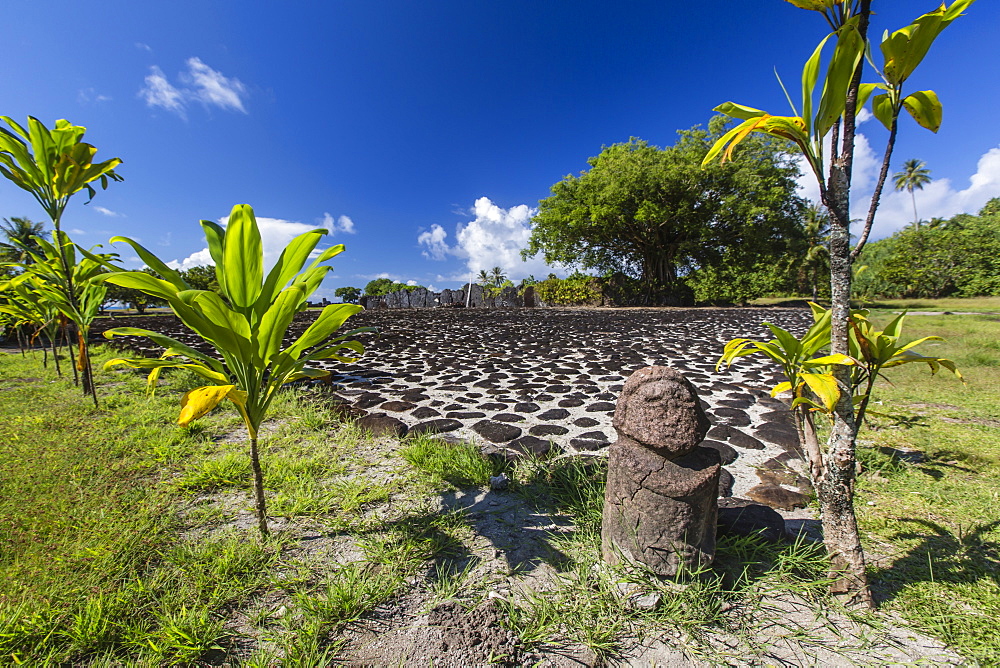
925 108
846 57
243 258
275 322
810 75
883 110
155 263
215 235
739 111
789 344
329 321
289 264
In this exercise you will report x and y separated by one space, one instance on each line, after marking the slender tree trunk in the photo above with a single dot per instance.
916 219
258 486
72 355
55 353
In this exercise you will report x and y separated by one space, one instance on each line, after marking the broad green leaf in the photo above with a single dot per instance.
201 400
883 110
155 263
165 342
905 48
925 108
244 258
739 111
789 344
289 264
329 321
141 281
846 57
215 235
810 74
275 322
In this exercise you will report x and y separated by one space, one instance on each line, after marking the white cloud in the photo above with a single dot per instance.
142 46
938 199
201 258
158 92
77 231
275 233
88 95
107 212
212 88
863 116
494 238
202 84
343 224
434 239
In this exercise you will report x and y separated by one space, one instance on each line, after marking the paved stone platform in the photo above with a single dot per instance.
537 380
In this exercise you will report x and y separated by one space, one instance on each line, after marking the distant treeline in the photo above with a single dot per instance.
958 257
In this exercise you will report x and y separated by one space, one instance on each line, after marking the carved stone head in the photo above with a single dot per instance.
659 408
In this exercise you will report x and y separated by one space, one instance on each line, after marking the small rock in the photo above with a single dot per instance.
646 601
499 482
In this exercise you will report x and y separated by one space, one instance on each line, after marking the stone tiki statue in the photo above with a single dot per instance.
661 502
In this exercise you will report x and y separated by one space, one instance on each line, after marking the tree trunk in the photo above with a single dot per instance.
258 486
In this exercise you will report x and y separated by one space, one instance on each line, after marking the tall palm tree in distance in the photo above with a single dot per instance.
816 228
19 234
915 176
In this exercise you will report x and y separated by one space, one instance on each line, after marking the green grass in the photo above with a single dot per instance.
932 529
457 464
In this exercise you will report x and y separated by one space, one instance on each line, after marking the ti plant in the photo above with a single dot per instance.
810 375
73 292
53 165
246 323
832 122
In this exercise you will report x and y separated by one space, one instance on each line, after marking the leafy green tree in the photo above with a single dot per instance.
915 176
654 215
348 294
20 234
53 165
832 122
201 277
379 286
246 325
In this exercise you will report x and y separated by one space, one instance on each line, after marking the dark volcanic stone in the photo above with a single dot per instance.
437 426
735 403
726 452
589 444
554 414
548 430
782 416
779 434
570 403
734 417
368 400
397 406
530 445
465 415
380 424
741 517
508 417
492 406
778 497
424 412
525 407
600 407
725 483
586 422
496 432
744 440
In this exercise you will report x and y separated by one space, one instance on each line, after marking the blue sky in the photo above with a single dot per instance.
424 133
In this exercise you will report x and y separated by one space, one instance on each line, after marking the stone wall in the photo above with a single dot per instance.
423 298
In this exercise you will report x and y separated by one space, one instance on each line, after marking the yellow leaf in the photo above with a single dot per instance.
823 386
781 387
201 400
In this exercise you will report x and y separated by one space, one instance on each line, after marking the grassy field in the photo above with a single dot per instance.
126 538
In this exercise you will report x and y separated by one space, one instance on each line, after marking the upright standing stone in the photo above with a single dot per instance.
661 502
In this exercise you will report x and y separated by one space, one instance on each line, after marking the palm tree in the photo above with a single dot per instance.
484 278
19 233
497 276
914 176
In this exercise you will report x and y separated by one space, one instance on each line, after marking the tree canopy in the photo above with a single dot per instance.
655 215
